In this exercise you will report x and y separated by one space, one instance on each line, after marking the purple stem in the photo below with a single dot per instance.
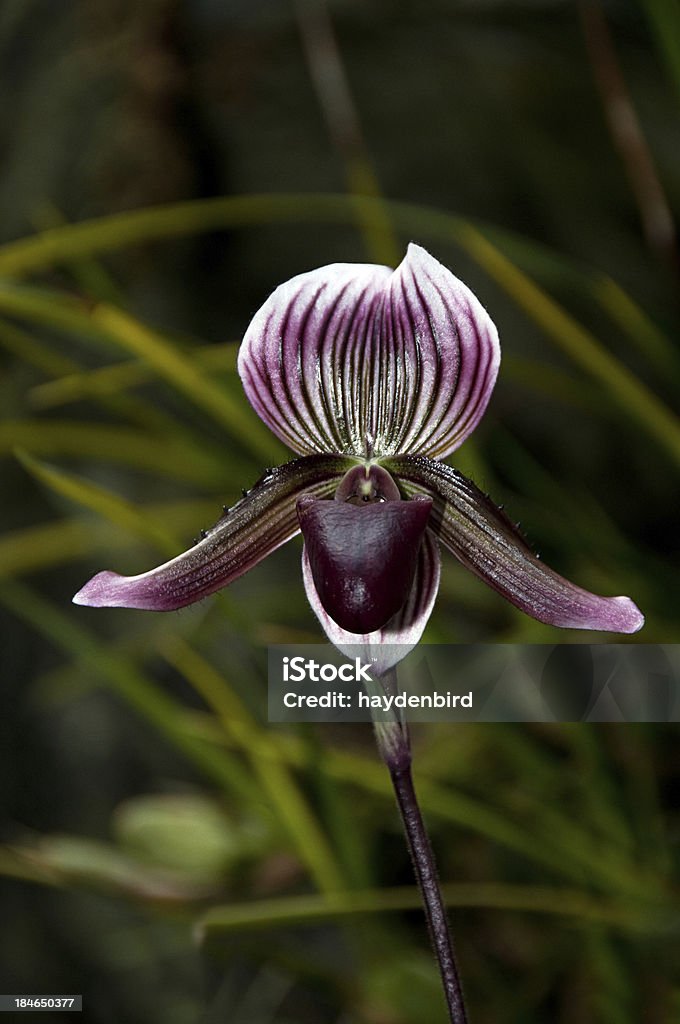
393 742
426 875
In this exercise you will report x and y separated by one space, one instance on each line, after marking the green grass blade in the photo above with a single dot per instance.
50 308
41 547
633 397
75 385
88 274
123 445
185 374
65 860
552 381
554 270
28 349
53 312
267 765
104 503
648 338
129 682
542 845
14 864
47 545
309 910
111 326
120 230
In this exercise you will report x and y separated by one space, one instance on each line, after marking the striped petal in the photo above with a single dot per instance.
386 647
482 537
258 524
366 361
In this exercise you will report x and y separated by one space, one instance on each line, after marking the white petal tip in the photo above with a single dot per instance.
97 592
631 618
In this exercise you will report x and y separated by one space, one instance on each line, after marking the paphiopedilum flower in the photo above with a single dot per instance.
372 377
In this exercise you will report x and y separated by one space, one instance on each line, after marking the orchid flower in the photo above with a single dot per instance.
372 377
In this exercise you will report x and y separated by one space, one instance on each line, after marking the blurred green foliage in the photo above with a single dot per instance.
165 166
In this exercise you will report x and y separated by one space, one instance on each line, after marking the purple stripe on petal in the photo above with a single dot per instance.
258 524
359 359
386 647
482 537
455 345
296 357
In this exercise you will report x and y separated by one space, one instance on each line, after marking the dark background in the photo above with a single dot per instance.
131 804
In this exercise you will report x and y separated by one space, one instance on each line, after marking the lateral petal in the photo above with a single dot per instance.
258 524
482 537
385 647
359 359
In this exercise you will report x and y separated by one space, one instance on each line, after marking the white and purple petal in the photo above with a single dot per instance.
258 524
482 537
385 647
359 359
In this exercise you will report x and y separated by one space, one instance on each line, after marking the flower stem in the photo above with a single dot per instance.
428 882
394 746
